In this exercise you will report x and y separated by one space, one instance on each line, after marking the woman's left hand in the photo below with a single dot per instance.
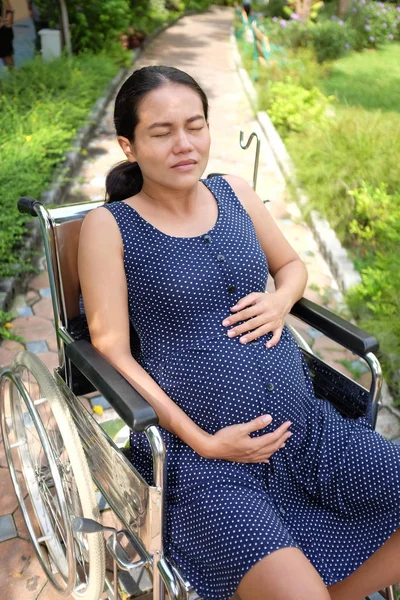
263 313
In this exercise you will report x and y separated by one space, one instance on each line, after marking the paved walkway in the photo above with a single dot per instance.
201 45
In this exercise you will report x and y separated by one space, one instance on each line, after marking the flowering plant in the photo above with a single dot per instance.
375 23
303 9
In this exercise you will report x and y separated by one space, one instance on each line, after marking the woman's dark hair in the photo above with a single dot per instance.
125 179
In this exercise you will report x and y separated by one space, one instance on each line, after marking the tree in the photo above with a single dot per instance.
65 27
344 7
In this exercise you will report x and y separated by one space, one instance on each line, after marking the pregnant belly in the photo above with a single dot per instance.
223 382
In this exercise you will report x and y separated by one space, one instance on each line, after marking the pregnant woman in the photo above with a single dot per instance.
271 493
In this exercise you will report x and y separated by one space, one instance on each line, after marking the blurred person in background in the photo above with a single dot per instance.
6 33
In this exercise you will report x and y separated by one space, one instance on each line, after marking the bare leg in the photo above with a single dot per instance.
378 572
282 575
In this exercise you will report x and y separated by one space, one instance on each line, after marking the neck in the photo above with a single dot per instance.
170 199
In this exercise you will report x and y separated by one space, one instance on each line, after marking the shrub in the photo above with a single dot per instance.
274 8
376 218
42 105
291 107
292 34
95 25
331 39
374 23
6 328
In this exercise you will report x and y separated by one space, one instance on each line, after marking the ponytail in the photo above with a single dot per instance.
123 181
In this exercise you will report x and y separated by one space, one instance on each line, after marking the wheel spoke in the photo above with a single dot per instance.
53 464
49 501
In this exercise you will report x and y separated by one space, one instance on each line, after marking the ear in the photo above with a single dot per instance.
127 148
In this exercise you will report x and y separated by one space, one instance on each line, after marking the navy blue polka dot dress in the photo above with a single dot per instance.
333 491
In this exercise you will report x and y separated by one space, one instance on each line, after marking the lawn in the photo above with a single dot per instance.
369 79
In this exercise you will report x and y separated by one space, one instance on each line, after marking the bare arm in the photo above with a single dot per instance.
265 313
104 289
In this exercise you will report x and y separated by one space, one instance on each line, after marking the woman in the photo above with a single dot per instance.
270 491
6 34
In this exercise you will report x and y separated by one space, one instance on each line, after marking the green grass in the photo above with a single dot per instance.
42 106
369 79
357 145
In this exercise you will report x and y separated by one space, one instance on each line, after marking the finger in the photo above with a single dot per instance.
256 424
242 315
274 438
268 451
275 338
249 325
259 332
246 301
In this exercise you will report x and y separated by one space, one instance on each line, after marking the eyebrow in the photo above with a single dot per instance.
166 124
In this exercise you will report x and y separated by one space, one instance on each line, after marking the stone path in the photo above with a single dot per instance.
201 45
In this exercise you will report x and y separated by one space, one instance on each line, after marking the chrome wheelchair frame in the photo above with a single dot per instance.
138 506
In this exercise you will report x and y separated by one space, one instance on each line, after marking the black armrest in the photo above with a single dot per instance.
127 402
343 332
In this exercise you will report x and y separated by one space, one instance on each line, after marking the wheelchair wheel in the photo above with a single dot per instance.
41 441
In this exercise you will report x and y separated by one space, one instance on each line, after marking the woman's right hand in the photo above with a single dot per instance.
234 443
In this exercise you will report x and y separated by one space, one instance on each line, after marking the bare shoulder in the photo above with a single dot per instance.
99 224
247 196
239 185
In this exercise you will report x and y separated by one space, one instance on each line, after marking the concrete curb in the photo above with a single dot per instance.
63 174
328 243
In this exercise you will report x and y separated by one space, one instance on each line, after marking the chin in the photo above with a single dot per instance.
182 180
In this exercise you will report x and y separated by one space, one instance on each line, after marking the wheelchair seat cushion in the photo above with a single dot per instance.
332 491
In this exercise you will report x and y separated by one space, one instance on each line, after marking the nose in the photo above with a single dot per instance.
182 142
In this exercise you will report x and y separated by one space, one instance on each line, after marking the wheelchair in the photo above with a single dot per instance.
64 454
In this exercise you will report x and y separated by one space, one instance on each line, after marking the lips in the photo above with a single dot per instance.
184 163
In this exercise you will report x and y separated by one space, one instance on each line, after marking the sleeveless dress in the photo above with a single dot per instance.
332 492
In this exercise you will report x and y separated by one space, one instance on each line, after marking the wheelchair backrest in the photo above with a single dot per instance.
65 225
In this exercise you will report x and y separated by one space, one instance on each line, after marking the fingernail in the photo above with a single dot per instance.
226 322
283 445
266 418
266 461
231 333
268 345
243 340
290 434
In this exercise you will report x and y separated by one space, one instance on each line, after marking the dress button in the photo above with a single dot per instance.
221 258
207 238
232 289
270 387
